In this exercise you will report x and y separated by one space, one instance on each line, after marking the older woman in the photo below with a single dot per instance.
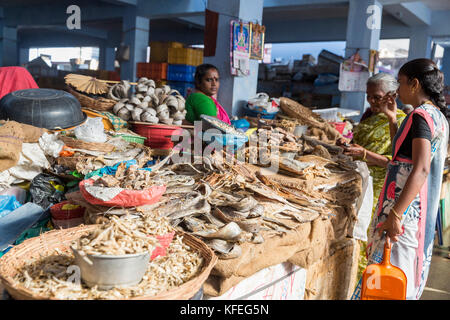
372 138
408 204
204 99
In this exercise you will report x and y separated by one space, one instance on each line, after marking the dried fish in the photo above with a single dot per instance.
230 231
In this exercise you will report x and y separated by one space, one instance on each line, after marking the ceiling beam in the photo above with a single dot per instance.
47 14
411 13
87 31
122 2
153 9
196 21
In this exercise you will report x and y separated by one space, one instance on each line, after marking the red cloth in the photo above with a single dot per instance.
15 78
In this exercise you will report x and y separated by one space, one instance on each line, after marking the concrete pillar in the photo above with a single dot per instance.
110 57
8 45
24 54
135 35
234 91
419 43
446 66
362 35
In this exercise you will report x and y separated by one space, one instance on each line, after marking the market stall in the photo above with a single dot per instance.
266 196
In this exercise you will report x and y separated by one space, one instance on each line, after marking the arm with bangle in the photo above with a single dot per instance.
421 154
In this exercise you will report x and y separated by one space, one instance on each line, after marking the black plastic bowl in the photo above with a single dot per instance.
44 108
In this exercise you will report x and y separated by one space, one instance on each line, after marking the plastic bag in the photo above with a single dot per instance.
19 193
91 131
46 190
50 144
8 204
111 197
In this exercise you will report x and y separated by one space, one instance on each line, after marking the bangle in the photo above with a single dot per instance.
399 216
365 154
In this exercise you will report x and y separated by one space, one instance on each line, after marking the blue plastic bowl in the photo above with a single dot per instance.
254 113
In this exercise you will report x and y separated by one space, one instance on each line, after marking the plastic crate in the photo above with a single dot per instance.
189 56
180 72
159 51
185 88
152 70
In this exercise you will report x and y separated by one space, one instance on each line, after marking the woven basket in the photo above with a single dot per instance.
80 144
70 162
45 244
100 104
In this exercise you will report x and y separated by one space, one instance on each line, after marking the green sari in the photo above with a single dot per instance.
373 134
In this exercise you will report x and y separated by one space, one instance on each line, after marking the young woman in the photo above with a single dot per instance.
408 203
204 99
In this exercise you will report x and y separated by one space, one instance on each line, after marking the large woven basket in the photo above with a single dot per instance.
80 144
45 244
71 162
100 104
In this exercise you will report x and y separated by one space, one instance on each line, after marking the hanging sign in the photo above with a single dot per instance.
257 41
240 46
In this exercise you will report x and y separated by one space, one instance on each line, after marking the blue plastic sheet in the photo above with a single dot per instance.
8 204
111 170
19 220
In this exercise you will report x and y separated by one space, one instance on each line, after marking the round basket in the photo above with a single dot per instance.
71 162
100 104
80 144
45 245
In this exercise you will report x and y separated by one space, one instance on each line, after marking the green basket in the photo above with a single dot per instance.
136 139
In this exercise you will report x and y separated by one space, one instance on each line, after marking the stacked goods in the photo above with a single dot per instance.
152 70
150 104
189 56
159 51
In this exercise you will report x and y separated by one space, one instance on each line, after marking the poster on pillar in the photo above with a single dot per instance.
240 48
257 41
353 74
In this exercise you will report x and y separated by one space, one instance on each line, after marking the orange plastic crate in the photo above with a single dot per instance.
152 70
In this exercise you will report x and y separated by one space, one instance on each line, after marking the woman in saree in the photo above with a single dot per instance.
372 140
204 99
408 203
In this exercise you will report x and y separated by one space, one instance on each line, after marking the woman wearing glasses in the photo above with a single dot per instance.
372 140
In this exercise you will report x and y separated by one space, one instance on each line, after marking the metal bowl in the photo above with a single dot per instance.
44 108
110 271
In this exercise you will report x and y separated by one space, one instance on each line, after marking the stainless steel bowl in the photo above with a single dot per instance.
109 271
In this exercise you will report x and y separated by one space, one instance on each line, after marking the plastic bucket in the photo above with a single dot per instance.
158 136
66 218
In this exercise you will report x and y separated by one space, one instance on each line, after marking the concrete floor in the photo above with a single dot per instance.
438 283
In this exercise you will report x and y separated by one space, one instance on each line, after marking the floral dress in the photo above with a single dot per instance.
412 253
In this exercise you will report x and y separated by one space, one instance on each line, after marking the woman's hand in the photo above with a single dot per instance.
393 227
388 106
354 150
342 141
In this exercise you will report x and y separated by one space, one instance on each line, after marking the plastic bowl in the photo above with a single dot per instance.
110 271
43 108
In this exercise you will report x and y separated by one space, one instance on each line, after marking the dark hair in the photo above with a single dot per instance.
430 78
200 72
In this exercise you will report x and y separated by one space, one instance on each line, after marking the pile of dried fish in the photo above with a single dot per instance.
50 277
126 235
132 178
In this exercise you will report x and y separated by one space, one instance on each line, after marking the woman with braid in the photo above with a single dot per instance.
408 204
